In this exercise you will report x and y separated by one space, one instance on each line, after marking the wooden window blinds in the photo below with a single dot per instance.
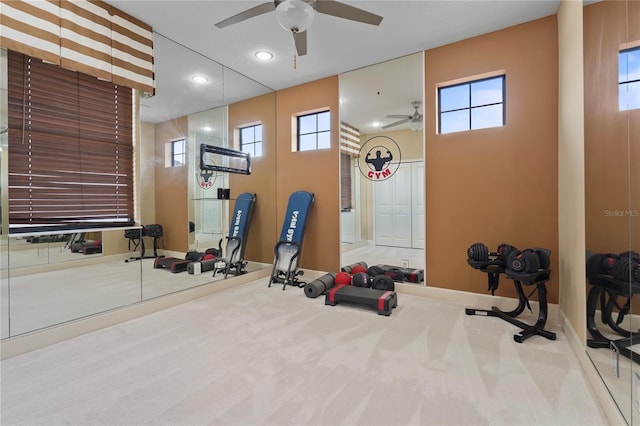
70 149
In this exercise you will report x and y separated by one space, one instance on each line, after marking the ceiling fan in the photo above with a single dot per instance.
296 16
414 120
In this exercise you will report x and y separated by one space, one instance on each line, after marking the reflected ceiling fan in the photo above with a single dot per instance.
414 121
296 16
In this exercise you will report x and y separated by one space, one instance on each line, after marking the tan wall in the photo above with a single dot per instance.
313 171
264 229
497 185
610 135
171 195
571 166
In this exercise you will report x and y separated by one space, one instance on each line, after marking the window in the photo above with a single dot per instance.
70 143
178 153
314 131
629 79
251 140
472 105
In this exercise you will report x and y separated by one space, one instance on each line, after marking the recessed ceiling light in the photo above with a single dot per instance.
200 79
376 124
207 128
263 55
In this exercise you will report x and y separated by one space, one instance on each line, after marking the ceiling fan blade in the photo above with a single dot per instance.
397 123
400 116
342 10
300 40
249 13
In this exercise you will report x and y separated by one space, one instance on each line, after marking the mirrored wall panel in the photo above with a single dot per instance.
612 195
382 164
49 278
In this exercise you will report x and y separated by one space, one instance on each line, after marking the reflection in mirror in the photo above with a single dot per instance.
54 278
611 134
210 214
45 283
382 164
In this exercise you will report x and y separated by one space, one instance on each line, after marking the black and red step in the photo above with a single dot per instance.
381 300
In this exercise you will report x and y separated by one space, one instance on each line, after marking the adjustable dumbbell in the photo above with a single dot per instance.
626 269
601 263
480 252
529 260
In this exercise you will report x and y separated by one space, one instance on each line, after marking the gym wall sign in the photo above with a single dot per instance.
379 158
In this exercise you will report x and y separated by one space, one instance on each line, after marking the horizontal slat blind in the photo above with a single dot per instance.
349 139
70 149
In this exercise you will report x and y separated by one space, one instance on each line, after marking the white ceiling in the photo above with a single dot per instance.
186 41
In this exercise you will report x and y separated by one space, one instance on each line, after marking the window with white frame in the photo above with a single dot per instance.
251 140
314 131
629 79
471 105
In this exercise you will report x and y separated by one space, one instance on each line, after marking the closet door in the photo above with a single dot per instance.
392 209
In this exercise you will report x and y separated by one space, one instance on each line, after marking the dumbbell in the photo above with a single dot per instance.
529 260
626 269
480 252
601 263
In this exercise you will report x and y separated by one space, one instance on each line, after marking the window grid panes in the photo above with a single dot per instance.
177 153
629 79
314 131
251 140
477 104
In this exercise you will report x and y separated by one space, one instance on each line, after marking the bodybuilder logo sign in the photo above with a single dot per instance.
379 158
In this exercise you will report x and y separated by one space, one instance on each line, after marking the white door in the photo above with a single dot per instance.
392 209
417 205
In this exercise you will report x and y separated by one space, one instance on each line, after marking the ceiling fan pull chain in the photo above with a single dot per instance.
295 64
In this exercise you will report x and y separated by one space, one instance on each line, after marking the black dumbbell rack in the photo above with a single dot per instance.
604 290
494 268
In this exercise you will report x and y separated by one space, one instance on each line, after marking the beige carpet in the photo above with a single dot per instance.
257 355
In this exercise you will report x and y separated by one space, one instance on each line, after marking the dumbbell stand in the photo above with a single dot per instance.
604 289
538 279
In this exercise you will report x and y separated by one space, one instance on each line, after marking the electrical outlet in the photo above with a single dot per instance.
404 263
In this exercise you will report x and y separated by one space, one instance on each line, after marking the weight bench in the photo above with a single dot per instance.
136 238
381 300
499 263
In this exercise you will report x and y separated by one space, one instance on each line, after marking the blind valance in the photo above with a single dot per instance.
87 36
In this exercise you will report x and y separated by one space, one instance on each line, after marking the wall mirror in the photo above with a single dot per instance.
44 283
612 173
381 115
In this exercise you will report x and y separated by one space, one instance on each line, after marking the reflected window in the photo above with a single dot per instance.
472 105
314 131
251 140
178 153
629 79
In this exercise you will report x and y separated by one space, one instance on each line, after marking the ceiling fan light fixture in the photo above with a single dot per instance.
415 126
295 15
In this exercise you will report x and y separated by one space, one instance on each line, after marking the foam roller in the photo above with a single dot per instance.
318 286
348 268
